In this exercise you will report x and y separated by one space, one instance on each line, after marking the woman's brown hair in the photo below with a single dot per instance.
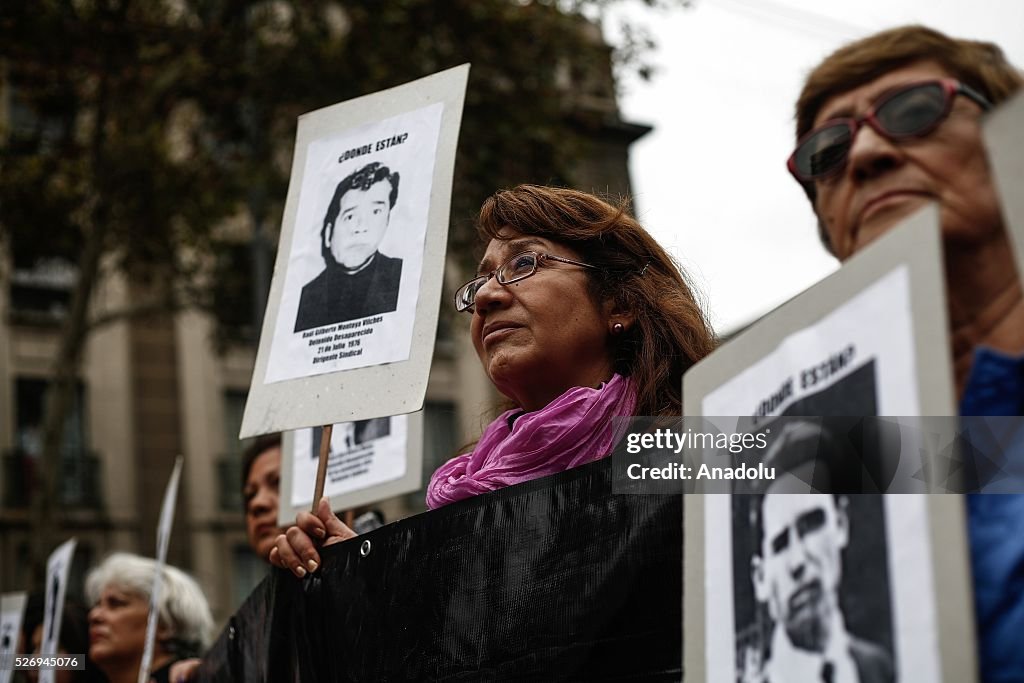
980 65
670 332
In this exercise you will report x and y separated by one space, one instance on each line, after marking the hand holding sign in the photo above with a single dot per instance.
296 549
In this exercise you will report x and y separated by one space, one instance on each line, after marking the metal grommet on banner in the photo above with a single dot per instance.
364 549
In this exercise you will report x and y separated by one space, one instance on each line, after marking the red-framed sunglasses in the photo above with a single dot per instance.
905 112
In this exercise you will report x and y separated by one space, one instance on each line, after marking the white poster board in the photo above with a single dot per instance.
871 339
885 305
12 610
370 460
163 536
1004 138
58 567
352 312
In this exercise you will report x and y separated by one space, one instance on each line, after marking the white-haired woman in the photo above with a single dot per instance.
119 590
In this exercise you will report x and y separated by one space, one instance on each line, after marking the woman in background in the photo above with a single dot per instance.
120 590
73 639
261 478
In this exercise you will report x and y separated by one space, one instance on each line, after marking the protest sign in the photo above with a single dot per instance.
1004 138
869 340
369 461
163 536
352 312
58 566
12 609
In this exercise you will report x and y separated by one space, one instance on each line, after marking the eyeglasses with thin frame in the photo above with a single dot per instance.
913 110
519 267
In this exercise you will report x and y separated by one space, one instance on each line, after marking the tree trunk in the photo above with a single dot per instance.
73 337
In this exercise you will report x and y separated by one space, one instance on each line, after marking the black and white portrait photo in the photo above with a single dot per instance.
355 255
348 435
819 586
363 454
357 280
813 595
812 589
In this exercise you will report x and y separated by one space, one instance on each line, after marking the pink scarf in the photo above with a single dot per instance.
574 429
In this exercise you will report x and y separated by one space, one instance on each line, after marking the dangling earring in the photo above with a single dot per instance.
618 328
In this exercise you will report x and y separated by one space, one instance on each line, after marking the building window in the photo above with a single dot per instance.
229 465
41 291
29 404
239 298
444 340
33 124
440 425
78 476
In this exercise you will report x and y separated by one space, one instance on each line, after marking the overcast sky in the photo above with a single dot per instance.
710 180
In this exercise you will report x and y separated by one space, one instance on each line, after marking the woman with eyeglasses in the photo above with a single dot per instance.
579 316
884 126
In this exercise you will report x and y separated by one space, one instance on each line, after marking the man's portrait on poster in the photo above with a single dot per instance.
357 280
798 602
800 553
352 274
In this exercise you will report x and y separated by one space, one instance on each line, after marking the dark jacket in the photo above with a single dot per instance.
336 295
873 662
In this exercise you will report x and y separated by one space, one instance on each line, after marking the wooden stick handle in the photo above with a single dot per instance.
321 468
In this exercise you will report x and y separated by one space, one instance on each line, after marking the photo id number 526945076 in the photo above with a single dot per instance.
39 662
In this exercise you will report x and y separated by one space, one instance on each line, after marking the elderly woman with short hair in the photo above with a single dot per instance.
884 126
579 316
119 590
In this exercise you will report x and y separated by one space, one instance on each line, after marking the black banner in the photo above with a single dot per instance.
557 579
